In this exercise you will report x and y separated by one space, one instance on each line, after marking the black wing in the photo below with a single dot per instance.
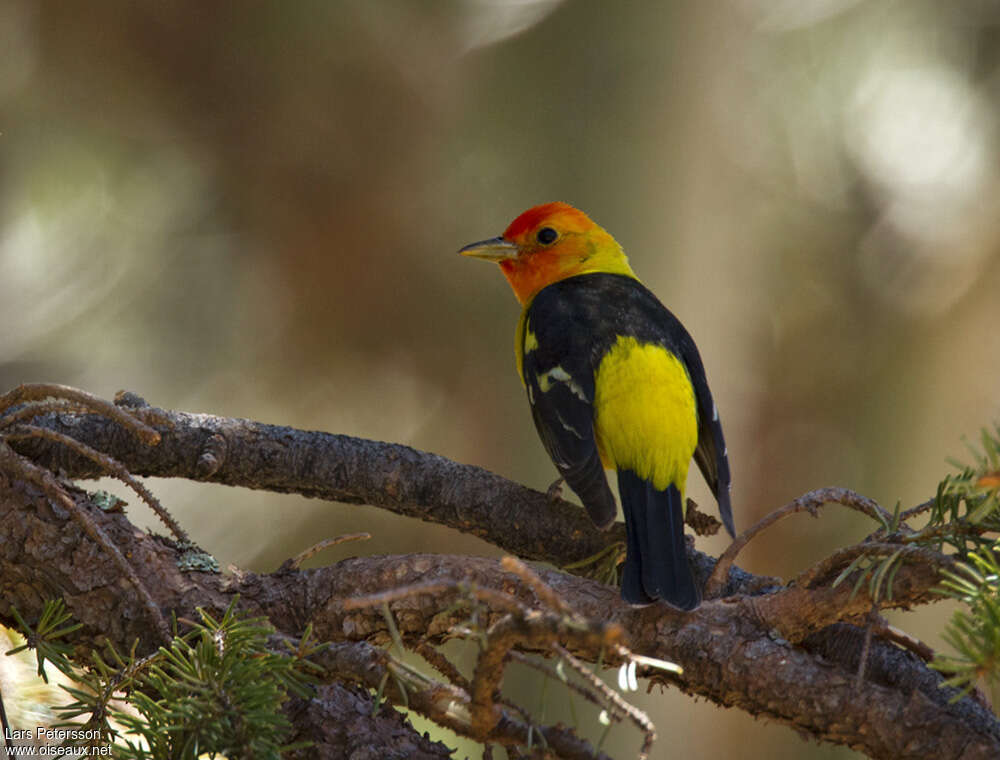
710 454
560 383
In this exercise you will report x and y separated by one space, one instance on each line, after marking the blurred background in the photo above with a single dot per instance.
253 209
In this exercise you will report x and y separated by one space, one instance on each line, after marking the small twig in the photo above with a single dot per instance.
613 698
38 408
842 557
42 391
552 673
395 594
914 511
530 579
125 673
809 502
488 595
904 640
532 630
442 664
500 639
390 624
949 531
111 467
445 704
873 617
298 559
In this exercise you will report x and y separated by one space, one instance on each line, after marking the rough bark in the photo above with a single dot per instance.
788 653
339 723
237 452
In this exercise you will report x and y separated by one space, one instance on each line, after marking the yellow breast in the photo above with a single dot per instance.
644 413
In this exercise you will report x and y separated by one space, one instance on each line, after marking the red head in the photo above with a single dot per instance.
549 243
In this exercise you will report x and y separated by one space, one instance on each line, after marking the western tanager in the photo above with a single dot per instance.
614 380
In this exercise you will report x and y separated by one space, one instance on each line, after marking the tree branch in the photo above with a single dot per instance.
782 652
339 468
729 653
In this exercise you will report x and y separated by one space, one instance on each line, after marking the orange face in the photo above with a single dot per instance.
549 243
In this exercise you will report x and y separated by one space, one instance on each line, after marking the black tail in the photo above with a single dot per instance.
656 565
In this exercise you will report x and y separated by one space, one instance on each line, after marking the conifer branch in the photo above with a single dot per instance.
765 647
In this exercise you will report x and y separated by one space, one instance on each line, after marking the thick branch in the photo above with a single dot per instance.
339 723
730 655
337 468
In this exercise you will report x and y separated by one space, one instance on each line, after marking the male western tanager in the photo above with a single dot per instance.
614 380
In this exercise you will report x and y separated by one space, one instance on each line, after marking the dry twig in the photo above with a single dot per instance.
295 562
32 392
109 465
809 502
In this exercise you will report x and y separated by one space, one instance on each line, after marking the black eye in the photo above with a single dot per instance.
546 235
